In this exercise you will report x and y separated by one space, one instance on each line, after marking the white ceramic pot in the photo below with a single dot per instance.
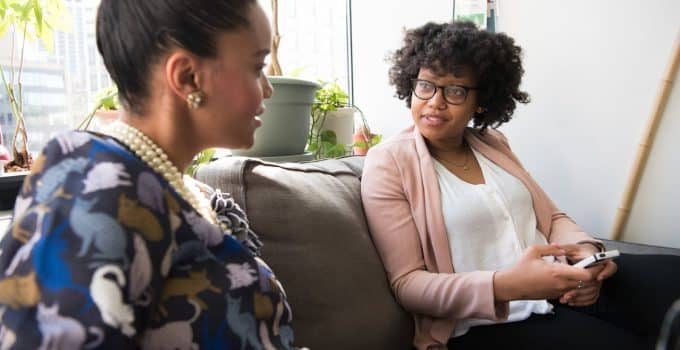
285 123
341 121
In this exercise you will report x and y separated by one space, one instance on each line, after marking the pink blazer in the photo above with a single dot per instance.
400 193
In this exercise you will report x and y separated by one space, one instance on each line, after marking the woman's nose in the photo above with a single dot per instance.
267 88
438 101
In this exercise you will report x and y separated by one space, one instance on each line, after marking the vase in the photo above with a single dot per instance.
341 122
285 122
360 135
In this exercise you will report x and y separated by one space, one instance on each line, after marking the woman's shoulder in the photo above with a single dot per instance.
81 144
393 157
86 148
492 137
80 163
403 142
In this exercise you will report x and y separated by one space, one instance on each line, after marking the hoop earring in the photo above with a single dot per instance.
195 99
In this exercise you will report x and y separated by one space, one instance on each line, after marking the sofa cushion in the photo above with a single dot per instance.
310 219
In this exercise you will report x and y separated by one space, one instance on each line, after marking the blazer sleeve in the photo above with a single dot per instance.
563 230
396 236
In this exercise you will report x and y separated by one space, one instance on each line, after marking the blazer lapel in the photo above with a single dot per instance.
439 239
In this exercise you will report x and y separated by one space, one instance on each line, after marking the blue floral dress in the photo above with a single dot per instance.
102 252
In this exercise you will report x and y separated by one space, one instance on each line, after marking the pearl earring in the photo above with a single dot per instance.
195 99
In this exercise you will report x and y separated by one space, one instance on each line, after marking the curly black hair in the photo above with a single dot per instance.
445 48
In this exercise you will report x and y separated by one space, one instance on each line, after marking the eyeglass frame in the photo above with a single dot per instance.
443 88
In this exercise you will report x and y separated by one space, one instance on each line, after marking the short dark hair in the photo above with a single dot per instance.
494 59
133 34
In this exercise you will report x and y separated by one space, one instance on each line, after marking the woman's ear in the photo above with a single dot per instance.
182 73
481 110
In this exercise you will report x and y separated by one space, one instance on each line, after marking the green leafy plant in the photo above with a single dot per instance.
369 141
324 144
26 20
363 137
205 156
106 100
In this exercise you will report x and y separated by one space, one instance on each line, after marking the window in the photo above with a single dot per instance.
314 43
60 86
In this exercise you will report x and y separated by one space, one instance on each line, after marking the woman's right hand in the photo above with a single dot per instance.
533 278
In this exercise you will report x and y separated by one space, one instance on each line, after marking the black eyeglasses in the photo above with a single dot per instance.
453 94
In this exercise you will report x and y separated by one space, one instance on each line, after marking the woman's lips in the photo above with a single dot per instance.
257 122
432 120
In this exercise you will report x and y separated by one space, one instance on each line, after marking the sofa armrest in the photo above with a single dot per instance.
639 248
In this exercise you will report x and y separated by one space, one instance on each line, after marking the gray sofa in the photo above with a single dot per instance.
311 220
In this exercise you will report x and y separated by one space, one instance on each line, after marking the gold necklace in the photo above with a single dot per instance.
157 159
464 165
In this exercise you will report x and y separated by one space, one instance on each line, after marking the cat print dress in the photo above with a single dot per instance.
103 253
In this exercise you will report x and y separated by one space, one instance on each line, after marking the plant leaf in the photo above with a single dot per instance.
47 38
360 144
16 7
329 137
206 155
25 12
38 12
3 9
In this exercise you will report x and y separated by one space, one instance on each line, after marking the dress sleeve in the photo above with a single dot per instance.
75 272
396 236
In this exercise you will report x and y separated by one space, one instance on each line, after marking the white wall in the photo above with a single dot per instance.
593 69
378 29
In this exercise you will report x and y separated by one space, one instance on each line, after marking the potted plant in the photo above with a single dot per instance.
106 110
332 122
25 20
285 123
334 131
363 137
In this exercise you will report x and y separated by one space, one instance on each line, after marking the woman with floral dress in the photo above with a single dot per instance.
110 245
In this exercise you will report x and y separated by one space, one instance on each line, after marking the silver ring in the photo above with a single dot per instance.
580 284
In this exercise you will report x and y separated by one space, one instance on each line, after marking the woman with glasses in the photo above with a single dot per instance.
473 247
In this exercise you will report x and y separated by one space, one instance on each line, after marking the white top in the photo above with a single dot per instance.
489 226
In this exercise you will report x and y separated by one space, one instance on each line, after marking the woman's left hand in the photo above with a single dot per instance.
589 291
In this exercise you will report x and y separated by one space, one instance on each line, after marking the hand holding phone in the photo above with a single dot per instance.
597 258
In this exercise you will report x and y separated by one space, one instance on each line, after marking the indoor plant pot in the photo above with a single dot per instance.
341 122
285 122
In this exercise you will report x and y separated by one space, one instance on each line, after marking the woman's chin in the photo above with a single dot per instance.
245 144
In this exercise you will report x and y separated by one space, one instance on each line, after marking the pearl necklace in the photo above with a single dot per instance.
157 159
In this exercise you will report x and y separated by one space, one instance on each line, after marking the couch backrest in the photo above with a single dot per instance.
310 219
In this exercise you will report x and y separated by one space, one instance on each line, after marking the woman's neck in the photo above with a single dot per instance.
163 129
449 147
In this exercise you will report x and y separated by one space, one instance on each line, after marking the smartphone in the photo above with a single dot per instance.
597 258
